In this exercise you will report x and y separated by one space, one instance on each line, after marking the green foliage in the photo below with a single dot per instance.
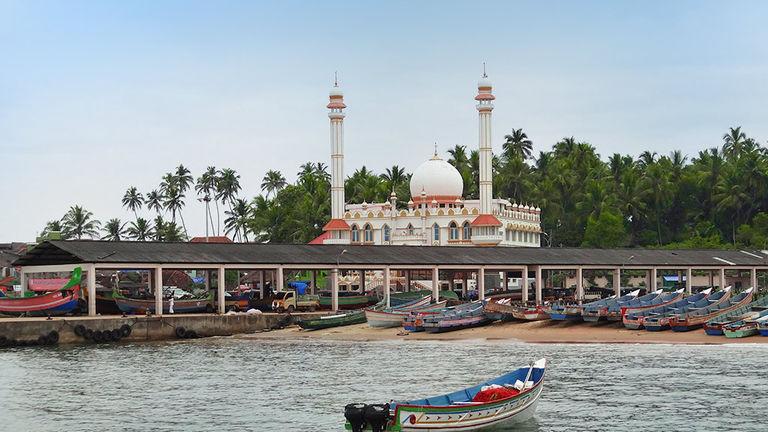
604 231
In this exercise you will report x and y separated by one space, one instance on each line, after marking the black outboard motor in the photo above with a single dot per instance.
377 415
355 415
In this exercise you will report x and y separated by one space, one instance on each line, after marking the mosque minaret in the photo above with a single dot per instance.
437 214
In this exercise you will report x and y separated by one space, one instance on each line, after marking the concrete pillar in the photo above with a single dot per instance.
524 285
579 284
539 286
407 281
220 290
464 281
617 281
654 279
314 282
279 283
158 291
481 283
753 279
23 282
435 284
335 289
689 281
91 281
361 278
386 286
506 281
722 278
261 284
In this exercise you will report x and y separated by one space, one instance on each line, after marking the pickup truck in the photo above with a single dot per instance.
289 301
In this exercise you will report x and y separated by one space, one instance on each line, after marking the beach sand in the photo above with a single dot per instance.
533 332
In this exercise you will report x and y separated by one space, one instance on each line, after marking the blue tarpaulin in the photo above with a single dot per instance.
299 286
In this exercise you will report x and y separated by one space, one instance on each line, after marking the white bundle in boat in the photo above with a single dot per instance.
519 386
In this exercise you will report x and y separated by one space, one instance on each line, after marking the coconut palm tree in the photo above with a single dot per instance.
114 230
158 230
79 222
154 201
657 187
174 203
53 226
228 186
394 177
733 143
140 230
206 186
272 182
517 144
238 220
459 158
184 178
133 200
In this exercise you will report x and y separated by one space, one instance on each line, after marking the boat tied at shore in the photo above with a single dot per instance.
59 302
696 318
752 311
142 306
393 316
597 311
467 315
330 321
507 399
658 316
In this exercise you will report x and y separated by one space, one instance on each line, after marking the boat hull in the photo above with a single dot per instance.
457 324
741 332
330 322
140 306
713 330
53 303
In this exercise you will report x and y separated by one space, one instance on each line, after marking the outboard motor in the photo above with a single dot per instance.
355 415
377 415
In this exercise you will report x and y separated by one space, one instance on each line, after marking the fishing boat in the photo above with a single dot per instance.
754 310
659 320
142 306
347 300
746 327
469 316
500 309
695 318
530 313
329 321
502 401
398 298
59 302
654 316
564 312
597 311
648 301
762 326
393 316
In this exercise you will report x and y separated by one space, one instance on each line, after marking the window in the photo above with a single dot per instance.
436 232
454 231
467 231
508 231
368 233
409 229
385 232
355 234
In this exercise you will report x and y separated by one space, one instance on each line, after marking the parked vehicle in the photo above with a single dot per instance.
289 301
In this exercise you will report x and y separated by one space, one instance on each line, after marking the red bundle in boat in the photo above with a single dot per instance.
491 394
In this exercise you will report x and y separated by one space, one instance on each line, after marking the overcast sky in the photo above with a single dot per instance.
98 96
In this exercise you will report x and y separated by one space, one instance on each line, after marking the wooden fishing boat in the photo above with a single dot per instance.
393 316
329 321
141 306
500 309
530 313
696 318
347 300
745 328
564 312
762 326
637 320
632 310
472 315
659 320
62 301
502 401
617 311
398 298
754 310
597 311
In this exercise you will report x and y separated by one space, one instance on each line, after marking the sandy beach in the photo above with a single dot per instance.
533 332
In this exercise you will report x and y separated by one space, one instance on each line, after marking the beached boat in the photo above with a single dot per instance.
659 320
500 308
695 318
398 298
329 321
564 312
648 301
597 311
347 300
637 320
59 302
393 316
744 328
754 310
141 306
530 313
502 401
468 316
762 326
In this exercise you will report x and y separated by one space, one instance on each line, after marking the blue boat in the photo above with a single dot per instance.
598 310
754 310
636 320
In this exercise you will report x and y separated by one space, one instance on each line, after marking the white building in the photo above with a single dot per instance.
437 214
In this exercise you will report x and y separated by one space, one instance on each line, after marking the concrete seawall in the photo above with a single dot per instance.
143 328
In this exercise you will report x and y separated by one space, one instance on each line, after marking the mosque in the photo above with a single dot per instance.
437 214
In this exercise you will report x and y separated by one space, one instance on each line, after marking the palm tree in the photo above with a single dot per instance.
394 177
734 142
159 228
79 222
517 144
154 201
228 186
272 182
174 203
646 159
114 230
53 226
133 200
238 220
206 186
733 199
183 178
459 158
657 188
140 230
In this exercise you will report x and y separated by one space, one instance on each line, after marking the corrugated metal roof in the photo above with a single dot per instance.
90 251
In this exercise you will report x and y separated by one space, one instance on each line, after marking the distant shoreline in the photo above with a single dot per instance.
540 332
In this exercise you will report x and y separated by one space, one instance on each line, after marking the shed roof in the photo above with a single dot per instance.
105 252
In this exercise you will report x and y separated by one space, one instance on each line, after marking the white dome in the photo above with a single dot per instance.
484 82
335 91
437 178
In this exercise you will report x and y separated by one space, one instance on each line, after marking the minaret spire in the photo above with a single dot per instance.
337 227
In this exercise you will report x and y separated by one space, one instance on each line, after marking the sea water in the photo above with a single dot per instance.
232 384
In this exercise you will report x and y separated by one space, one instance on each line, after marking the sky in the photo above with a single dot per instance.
98 96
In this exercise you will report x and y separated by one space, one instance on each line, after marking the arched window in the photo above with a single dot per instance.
436 232
385 232
368 233
355 233
409 229
467 231
454 231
